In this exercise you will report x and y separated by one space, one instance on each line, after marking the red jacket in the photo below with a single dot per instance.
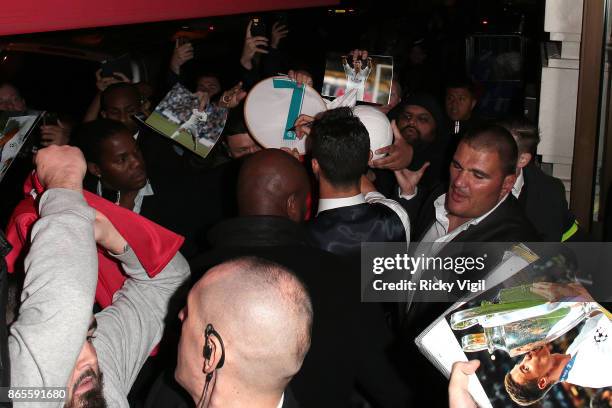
154 245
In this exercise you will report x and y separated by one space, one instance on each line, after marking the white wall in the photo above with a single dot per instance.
559 87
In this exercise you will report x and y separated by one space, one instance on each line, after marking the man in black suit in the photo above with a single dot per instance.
477 208
272 191
541 196
340 153
478 205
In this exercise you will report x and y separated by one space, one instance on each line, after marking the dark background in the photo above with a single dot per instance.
67 84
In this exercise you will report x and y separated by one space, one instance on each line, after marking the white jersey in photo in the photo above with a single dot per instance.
356 80
591 351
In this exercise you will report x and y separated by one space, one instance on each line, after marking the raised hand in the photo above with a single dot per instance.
302 125
103 82
399 154
458 395
180 55
232 97
279 31
301 77
555 292
203 100
408 180
252 46
61 167
359 54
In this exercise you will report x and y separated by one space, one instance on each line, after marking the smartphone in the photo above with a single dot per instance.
50 118
182 41
258 28
121 64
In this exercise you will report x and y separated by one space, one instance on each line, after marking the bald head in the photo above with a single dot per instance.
263 314
272 182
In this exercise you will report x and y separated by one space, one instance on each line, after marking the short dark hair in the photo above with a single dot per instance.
526 133
495 138
117 87
341 145
525 394
90 135
463 83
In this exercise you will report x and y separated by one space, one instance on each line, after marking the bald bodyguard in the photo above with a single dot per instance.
246 330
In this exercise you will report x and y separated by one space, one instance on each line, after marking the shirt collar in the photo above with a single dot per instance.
331 203
280 403
442 213
518 184
147 190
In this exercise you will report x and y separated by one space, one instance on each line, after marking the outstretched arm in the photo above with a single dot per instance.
61 275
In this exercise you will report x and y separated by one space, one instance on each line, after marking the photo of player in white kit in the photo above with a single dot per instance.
357 75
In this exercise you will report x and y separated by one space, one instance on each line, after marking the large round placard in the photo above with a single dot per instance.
272 107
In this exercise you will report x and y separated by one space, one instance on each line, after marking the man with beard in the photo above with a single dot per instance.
56 341
420 124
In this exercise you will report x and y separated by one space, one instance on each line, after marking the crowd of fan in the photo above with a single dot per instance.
266 282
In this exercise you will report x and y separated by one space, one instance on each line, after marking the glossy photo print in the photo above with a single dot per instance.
369 75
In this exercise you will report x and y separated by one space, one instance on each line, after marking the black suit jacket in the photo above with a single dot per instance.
507 223
543 199
342 230
349 338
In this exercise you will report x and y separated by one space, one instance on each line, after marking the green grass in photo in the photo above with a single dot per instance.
167 128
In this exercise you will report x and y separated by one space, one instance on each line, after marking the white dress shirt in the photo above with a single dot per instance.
331 203
147 190
438 232
518 184
280 403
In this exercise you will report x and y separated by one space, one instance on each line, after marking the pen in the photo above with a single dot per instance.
292 129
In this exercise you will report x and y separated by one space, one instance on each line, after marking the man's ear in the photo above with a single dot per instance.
211 363
542 383
94 169
315 167
294 210
523 160
509 181
474 102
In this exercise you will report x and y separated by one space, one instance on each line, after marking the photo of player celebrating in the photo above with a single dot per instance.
357 75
